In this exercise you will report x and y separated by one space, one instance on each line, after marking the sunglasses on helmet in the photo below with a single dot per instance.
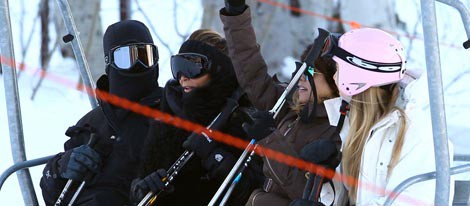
190 65
310 71
125 57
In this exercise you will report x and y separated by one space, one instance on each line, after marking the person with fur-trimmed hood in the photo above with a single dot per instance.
203 80
112 162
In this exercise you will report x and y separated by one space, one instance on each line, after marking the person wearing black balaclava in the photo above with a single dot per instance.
110 163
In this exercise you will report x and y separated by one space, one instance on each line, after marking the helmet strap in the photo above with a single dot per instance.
308 114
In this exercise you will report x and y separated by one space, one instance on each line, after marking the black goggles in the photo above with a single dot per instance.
125 57
190 65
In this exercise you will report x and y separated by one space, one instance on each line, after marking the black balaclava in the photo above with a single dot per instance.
129 84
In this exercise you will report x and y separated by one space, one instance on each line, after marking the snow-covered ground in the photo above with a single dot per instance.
58 105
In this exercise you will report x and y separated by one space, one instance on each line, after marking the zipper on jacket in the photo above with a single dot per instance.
290 126
272 171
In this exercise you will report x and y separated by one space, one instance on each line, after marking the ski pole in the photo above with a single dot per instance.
312 55
150 197
239 176
219 121
64 191
80 188
67 186
232 173
308 186
275 110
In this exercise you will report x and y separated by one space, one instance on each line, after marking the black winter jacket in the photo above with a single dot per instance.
121 134
193 186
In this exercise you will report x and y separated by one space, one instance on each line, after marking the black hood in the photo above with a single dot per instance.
125 32
130 85
201 105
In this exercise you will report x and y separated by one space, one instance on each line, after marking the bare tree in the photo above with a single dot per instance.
380 14
88 22
124 9
25 45
45 53
152 28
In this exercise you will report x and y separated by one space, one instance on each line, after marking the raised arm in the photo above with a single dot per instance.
249 64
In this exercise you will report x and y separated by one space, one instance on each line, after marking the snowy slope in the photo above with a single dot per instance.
59 105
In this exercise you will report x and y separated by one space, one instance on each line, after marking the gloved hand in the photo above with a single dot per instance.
303 202
235 7
200 145
322 152
76 163
152 182
218 163
262 126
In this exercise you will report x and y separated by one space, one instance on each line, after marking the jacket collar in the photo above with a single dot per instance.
332 108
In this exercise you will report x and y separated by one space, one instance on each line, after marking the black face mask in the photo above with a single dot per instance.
132 85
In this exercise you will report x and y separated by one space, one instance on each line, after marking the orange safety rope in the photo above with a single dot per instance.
353 24
215 135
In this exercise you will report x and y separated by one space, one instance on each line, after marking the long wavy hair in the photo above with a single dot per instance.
367 109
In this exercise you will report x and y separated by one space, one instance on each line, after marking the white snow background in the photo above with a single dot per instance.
58 106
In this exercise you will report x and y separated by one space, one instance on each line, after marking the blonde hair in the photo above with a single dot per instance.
368 108
210 37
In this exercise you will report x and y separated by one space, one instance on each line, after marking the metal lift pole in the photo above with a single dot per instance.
464 14
13 104
436 99
74 37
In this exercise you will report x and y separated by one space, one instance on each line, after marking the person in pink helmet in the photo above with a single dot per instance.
384 144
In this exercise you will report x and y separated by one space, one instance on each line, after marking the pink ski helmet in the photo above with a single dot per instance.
366 58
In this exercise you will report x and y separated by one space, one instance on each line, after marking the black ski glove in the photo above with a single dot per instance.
152 182
75 163
303 202
200 145
235 7
321 152
263 125
218 163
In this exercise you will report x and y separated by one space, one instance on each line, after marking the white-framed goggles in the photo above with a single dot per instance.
126 56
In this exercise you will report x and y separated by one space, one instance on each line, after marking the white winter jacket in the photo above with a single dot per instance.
417 157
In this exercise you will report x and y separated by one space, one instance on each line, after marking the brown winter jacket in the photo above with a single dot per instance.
286 183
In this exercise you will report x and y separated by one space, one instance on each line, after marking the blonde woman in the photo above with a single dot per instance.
384 146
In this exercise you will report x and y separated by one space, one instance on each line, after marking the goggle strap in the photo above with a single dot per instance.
346 56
